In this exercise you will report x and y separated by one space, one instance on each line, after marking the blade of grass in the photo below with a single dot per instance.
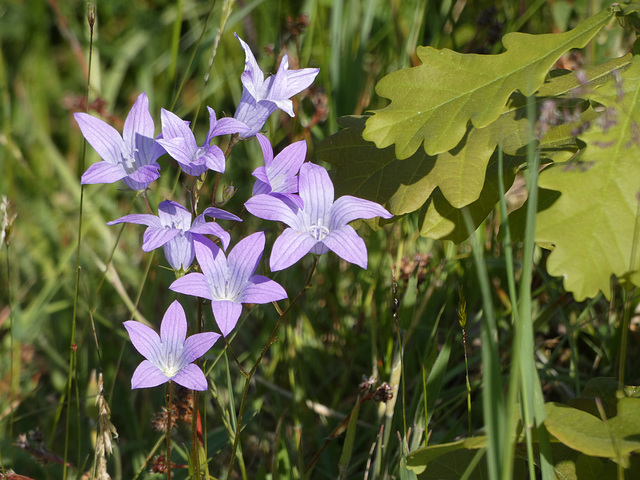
492 397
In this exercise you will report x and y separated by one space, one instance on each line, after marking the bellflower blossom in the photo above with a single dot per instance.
172 229
169 356
260 97
229 282
279 177
320 226
130 157
179 142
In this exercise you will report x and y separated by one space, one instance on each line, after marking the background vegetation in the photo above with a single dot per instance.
344 329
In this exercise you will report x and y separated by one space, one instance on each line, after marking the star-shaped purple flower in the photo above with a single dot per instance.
279 176
173 230
320 226
260 97
130 157
229 282
179 142
169 356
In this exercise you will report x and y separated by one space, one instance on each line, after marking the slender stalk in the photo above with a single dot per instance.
493 400
15 375
169 425
396 304
624 333
74 315
247 383
149 457
195 441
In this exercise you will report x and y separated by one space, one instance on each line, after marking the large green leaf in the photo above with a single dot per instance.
368 172
434 102
592 225
616 439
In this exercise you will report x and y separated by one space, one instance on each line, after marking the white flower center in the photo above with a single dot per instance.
129 162
223 292
318 231
177 224
200 152
171 362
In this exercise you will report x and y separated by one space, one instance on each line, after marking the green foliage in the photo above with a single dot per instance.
434 102
593 223
465 108
343 328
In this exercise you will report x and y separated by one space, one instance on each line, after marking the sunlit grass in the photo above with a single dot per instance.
300 397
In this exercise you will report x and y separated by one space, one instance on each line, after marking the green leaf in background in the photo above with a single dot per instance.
368 172
433 103
451 460
441 220
606 390
592 223
588 434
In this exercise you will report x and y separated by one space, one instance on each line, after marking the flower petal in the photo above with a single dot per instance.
267 150
223 126
272 208
282 172
261 290
191 377
192 284
144 339
316 190
290 247
298 80
214 159
253 114
226 314
348 208
174 127
174 215
157 237
103 172
142 177
213 264
139 218
147 376
102 137
179 251
198 344
219 214
252 77
346 243
261 174
179 150
138 131
173 329
213 228
244 259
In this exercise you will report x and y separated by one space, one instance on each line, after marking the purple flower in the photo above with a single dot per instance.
260 97
169 356
173 230
320 226
179 142
229 283
279 177
132 157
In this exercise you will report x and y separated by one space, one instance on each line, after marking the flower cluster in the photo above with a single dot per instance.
286 190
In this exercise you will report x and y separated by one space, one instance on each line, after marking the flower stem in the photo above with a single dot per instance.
169 425
71 377
247 383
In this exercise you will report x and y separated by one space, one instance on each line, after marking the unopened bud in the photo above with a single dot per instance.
228 192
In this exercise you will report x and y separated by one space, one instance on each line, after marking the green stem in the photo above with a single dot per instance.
74 315
168 438
247 383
